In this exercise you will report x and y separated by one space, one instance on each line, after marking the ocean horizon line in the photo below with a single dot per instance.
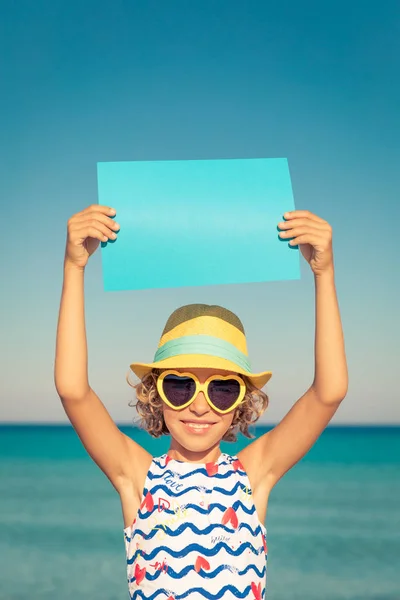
60 424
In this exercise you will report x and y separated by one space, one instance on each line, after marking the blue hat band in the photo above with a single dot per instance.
203 344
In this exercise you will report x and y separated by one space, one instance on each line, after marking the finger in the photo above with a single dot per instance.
94 217
97 231
92 222
303 221
296 231
314 240
100 208
80 235
294 214
97 208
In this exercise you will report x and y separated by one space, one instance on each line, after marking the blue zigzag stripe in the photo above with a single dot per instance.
186 475
161 460
192 527
199 590
204 511
170 492
195 548
205 574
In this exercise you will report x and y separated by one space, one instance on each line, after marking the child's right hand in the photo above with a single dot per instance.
86 230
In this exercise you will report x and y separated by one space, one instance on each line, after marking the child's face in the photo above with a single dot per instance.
199 410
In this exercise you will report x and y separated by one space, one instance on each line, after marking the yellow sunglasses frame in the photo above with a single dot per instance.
201 387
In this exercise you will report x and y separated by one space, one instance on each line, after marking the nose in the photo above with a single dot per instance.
200 404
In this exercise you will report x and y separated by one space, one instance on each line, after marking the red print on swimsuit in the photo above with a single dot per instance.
201 563
163 504
148 502
230 516
161 566
211 468
237 465
139 574
256 589
264 543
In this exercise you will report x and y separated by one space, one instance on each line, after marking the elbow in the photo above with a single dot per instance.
332 396
68 394
342 390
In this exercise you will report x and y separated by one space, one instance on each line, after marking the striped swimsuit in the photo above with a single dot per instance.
197 535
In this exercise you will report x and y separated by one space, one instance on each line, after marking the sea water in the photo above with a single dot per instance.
333 521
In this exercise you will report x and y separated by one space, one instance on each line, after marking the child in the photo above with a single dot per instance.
194 517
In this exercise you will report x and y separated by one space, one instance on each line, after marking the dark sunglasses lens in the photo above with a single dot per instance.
224 392
178 390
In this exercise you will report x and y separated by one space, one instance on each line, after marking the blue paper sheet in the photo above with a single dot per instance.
196 222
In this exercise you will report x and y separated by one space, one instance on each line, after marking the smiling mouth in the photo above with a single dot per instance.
199 422
197 427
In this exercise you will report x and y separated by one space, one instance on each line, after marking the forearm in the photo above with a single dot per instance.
331 377
70 371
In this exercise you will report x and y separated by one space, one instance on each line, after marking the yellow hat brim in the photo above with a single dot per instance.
200 361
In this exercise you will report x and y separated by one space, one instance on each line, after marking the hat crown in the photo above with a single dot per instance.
184 316
206 330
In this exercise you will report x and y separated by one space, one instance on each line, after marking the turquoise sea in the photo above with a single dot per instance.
333 521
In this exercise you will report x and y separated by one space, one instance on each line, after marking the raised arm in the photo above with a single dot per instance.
115 453
278 450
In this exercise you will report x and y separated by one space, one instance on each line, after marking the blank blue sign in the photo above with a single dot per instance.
196 222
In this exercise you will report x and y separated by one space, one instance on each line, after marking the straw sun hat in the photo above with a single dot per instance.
203 336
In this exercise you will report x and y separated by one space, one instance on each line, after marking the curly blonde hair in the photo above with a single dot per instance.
149 407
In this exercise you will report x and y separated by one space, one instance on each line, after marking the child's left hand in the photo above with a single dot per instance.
313 235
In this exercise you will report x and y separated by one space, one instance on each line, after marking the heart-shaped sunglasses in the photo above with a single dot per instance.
223 392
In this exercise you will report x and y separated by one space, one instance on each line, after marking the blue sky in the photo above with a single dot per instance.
107 81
